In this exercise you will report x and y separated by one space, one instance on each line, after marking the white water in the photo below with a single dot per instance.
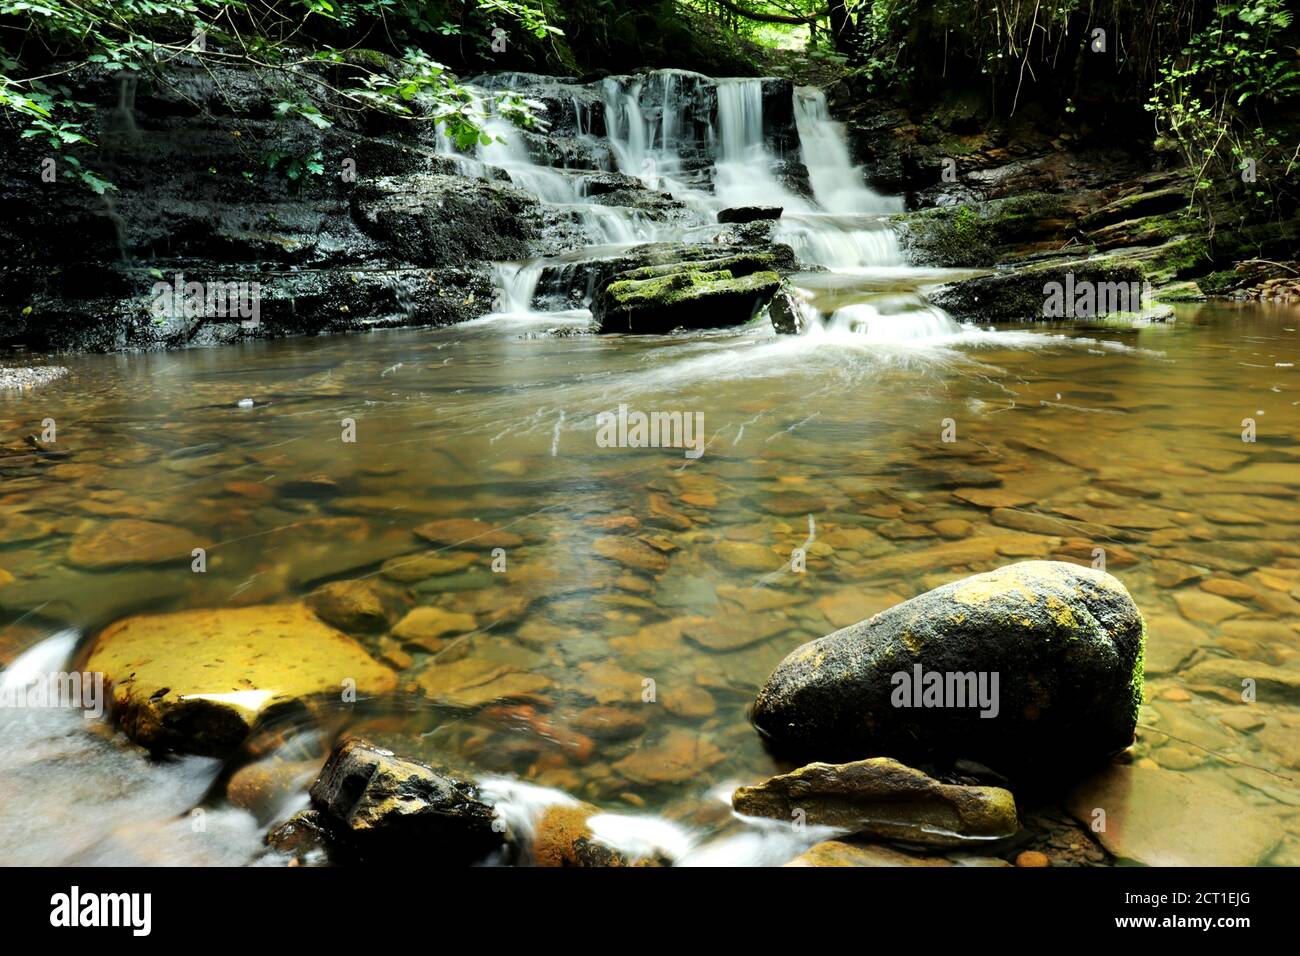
57 763
704 142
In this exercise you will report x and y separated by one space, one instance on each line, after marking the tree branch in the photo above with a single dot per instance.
772 17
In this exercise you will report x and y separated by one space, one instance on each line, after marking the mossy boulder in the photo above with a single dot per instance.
980 234
1021 295
655 301
1039 665
200 681
882 797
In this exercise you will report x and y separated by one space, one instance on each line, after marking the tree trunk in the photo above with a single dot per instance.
842 27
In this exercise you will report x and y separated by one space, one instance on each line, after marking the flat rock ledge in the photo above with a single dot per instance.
883 798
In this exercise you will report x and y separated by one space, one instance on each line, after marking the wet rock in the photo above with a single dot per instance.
611 723
992 497
408 568
563 836
305 837
848 853
746 556
1032 859
786 313
741 214
1271 683
1064 642
349 605
689 701
427 625
1171 642
467 533
1163 818
1197 605
386 806
261 787
437 219
130 541
489 671
678 757
199 681
1021 294
655 304
882 797
631 553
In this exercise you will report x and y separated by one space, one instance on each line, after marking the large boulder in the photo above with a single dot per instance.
200 681
1035 666
883 798
379 805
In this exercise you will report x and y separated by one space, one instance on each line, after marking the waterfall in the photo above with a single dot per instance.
709 144
836 183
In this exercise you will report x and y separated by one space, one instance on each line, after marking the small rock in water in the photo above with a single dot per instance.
883 798
740 214
246 403
1033 667
382 805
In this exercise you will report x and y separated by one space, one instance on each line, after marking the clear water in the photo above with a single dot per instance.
833 436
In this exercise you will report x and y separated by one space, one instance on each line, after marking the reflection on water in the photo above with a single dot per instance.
627 564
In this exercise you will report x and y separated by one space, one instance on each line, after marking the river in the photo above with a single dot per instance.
642 588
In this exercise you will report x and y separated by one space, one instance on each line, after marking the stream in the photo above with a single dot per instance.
625 565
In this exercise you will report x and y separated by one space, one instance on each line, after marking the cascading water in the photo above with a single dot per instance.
706 142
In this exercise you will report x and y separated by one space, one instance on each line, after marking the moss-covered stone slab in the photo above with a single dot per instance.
1021 295
199 681
1064 642
882 797
685 299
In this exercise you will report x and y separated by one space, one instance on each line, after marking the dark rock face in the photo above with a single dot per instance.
389 230
741 214
1065 644
786 316
1023 294
378 805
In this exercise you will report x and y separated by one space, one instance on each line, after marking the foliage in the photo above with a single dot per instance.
1211 97
285 38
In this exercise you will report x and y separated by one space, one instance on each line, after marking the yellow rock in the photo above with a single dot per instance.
199 681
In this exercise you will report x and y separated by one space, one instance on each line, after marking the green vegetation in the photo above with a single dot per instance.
315 49
1219 78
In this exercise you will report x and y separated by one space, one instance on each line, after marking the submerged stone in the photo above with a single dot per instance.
199 681
1035 666
1163 818
883 798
